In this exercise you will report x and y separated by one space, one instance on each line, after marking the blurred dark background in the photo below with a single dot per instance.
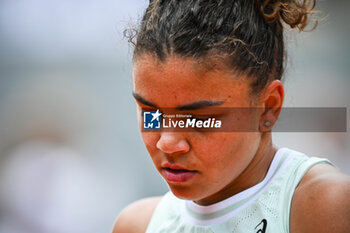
71 156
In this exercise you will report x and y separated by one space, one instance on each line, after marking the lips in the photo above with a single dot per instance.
177 173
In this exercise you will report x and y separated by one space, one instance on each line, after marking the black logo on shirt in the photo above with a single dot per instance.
262 226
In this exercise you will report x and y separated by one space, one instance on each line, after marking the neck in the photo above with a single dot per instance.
254 173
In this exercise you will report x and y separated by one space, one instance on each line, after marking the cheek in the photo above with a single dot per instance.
231 152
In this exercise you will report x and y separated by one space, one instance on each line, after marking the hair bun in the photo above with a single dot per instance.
295 13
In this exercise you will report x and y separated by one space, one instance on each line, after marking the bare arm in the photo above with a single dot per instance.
135 217
321 203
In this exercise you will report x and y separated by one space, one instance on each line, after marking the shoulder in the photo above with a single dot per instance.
136 216
321 202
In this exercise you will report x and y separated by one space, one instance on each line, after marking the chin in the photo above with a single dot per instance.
185 193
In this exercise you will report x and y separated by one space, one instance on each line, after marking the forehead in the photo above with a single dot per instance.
177 81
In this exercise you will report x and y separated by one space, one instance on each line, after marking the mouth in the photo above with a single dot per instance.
177 174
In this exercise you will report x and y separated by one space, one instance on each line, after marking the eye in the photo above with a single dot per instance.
206 122
146 109
200 118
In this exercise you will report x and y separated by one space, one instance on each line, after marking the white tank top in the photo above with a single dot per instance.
263 208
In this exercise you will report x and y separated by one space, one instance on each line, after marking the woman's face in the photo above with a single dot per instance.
196 165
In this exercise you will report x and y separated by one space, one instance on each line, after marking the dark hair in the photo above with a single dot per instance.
246 34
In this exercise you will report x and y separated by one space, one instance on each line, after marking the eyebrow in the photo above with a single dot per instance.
199 104
192 106
144 101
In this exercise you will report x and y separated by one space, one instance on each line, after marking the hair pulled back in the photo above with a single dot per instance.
246 34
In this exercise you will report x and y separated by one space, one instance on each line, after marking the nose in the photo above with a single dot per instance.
173 142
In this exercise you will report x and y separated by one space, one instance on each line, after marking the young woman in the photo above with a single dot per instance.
213 56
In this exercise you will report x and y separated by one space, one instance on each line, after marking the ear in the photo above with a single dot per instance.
271 102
